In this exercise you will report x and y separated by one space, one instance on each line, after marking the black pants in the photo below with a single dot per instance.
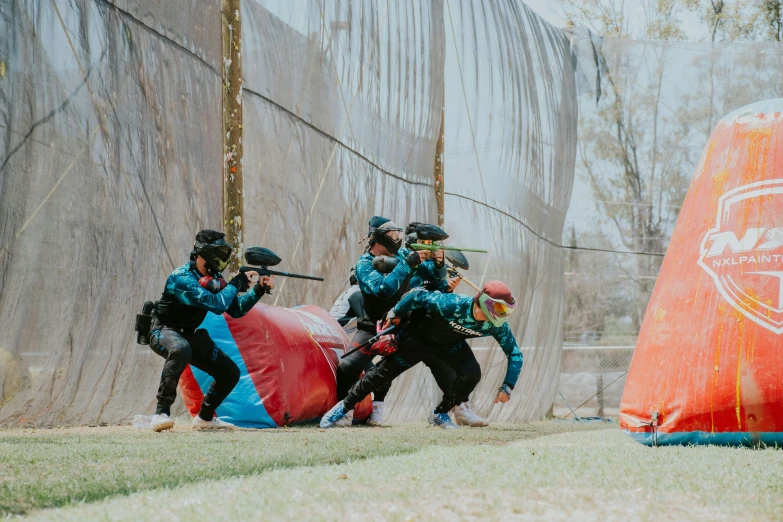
351 367
197 349
459 359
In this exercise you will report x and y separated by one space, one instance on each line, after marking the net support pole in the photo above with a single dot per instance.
439 170
233 210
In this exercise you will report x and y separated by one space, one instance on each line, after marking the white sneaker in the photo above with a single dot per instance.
215 424
161 422
345 422
467 417
376 417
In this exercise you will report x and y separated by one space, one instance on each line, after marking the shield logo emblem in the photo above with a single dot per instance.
743 252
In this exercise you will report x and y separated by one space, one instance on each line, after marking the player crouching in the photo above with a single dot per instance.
449 320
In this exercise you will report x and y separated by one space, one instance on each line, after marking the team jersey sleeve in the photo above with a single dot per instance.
188 291
373 282
508 344
439 285
431 277
421 299
244 303
356 304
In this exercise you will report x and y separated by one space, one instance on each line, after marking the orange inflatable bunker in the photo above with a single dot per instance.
287 359
708 365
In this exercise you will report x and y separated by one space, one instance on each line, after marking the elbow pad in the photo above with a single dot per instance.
212 284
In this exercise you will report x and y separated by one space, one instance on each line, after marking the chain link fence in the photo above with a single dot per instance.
592 380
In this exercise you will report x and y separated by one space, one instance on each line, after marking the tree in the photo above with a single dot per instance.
593 291
637 152
740 20
631 150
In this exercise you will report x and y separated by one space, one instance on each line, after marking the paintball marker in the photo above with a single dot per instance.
259 258
372 340
433 248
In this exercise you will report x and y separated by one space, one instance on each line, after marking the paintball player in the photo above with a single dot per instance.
350 304
444 375
381 291
449 320
191 291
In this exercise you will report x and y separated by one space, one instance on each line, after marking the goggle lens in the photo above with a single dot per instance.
223 253
395 235
501 309
496 307
222 265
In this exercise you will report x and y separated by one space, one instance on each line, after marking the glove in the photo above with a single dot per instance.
504 393
240 281
391 319
437 258
261 289
384 346
413 259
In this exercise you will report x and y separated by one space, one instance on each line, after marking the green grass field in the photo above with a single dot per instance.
543 470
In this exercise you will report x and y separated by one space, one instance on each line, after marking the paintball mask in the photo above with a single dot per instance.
496 301
213 247
389 235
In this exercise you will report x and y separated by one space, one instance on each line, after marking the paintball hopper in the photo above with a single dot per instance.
457 259
260 256
425 232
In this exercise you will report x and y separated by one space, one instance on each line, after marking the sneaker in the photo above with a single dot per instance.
464 416
215 424
376 417
442 420
161 422
345 422
331 417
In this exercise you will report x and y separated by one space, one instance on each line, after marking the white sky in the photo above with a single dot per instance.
547 9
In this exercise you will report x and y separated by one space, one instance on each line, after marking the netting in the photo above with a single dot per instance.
509 159
111 158
110 120
646 111
365 112
340 123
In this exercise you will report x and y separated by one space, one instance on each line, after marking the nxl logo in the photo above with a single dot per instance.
744 252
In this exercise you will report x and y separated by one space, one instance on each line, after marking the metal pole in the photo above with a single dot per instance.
233 181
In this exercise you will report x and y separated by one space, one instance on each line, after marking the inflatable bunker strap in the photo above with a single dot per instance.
287 359
708 364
